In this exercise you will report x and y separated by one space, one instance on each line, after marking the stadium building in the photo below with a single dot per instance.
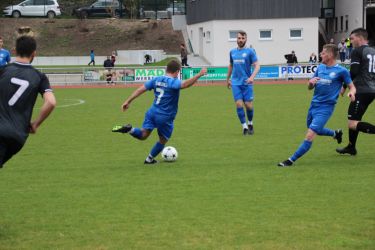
340 17
274 28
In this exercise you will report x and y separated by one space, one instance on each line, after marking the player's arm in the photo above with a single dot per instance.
230 68
256 66
352 91
312 83
189 82
139 91
47 107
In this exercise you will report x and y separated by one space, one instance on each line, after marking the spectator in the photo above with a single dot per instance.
4 54
92 57
313 58
332 41
183 55
113 58
342 50
349 48
147 58
108 65
291 58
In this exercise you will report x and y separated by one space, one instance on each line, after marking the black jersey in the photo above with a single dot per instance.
19 88
365 80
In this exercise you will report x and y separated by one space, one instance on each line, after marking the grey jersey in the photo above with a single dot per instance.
19 88
365 80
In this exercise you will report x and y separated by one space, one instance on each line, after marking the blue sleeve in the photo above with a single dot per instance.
346 77
150 84
176 84
230 58
253 57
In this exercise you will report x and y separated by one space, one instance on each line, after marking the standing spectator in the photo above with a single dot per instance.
108 65
20 84
113 58
92 57
313 59
4 54
147 58
349 48
183 55
342 50
291 58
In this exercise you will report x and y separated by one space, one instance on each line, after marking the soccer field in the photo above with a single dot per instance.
77 185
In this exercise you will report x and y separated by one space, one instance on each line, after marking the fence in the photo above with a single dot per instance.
129 75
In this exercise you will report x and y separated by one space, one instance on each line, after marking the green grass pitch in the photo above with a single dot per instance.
76 185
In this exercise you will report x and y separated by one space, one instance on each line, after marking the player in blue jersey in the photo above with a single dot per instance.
163 111
328 80
4 54
240 78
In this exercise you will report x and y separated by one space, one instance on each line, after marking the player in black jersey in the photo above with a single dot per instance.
362 71
20 84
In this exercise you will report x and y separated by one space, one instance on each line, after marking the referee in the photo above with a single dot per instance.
362 71
20 84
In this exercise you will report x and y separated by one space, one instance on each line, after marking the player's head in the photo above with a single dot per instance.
329 53
241 38
173 67
359 37
26 47
1 42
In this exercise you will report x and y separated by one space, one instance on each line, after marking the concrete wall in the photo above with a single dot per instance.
216 46
123 57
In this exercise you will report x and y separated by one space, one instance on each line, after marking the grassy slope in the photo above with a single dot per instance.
77 186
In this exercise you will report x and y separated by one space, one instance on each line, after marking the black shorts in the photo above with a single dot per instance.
8 148
358 108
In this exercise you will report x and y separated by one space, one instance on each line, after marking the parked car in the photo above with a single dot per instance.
48 8
100 8
179 9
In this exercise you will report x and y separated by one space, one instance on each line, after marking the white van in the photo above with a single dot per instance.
48 8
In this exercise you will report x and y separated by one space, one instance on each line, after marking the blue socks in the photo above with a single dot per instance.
156 149
250 114
136 133
241 115
303 148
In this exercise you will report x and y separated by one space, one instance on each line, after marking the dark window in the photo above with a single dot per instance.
341 23
39 2
336 25
346 22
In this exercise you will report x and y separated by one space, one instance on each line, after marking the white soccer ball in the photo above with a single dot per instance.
169 154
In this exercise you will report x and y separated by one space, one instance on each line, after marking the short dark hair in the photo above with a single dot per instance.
25 46
360 32
331 48
243 33
173 66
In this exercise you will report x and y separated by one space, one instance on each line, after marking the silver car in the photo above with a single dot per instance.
48 8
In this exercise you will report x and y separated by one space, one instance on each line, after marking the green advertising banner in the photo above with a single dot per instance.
213 74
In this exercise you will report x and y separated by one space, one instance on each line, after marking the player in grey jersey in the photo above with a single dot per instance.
20 84
362 71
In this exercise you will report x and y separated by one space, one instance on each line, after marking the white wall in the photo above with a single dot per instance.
354 10
216 50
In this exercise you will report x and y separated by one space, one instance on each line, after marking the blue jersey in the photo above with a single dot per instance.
167 92
4 57
241 61
332 78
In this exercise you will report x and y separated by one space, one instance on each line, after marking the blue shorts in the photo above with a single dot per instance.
243 92
318 116
164 124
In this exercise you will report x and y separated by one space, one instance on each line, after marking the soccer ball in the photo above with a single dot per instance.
169 154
